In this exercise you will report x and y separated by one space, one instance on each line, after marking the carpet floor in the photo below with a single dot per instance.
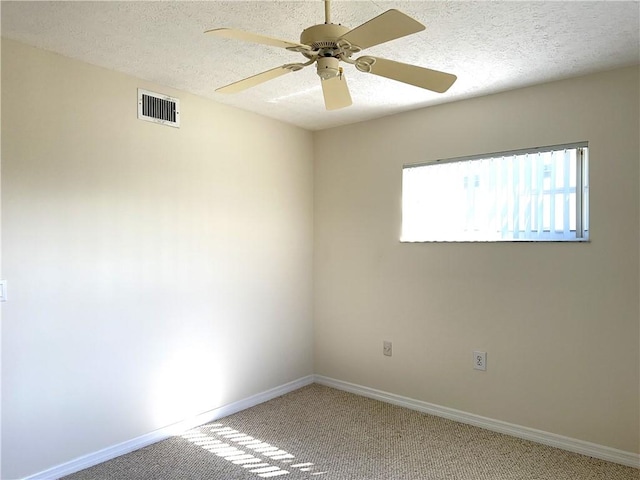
321 433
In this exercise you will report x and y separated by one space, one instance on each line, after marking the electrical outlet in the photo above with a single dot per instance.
386 348
480 360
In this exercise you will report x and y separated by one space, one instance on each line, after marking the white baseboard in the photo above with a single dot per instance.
546 438
551 439
109 453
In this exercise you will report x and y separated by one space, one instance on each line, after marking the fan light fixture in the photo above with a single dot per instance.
328 67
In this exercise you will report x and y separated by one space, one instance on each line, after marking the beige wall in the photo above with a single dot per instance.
560 322
154 273
0 262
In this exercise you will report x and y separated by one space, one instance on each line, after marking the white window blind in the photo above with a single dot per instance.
535 195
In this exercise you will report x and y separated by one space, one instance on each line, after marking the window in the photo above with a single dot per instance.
539 194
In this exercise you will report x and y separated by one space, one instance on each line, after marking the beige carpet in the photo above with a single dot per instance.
326 434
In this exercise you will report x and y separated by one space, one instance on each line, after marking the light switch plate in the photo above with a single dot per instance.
3 290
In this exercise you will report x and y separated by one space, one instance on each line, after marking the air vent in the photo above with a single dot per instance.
158 108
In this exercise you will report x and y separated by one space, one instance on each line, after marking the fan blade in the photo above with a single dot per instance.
412 74
336 93
255 38
388 26
249 82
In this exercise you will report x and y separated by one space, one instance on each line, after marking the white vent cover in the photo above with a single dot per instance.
158 108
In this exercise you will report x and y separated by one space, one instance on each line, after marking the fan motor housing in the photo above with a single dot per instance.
323 36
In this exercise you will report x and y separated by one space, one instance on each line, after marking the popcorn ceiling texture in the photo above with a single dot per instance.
490 46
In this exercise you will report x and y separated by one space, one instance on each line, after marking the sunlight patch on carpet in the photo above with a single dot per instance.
218 438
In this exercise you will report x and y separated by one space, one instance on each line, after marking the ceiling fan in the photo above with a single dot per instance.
328 44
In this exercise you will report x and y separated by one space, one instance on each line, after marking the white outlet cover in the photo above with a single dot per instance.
480 360
3 290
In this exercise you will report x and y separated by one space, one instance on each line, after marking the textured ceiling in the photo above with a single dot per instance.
491 46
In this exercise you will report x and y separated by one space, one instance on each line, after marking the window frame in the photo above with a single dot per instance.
582 230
